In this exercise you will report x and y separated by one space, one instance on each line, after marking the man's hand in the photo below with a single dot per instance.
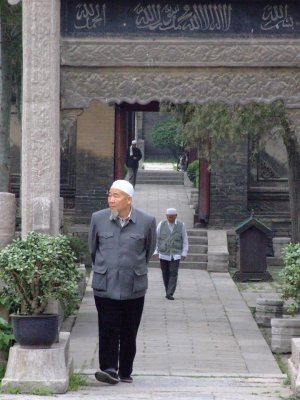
183 258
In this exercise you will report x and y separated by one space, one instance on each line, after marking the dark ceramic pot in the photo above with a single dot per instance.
35 330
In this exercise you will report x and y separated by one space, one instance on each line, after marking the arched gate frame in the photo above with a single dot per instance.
134 70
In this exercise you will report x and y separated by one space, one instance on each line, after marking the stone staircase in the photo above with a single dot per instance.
158 177
197 255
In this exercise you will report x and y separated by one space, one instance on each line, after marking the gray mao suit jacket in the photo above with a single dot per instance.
120 254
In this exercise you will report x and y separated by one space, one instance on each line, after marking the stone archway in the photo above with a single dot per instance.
179 69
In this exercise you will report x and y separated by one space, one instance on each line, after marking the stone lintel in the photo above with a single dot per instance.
179 52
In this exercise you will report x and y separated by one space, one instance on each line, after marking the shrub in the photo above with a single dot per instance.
291 276
193 172
37 269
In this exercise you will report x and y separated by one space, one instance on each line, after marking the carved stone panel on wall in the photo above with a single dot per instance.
68 156
181 52
79 87
268 161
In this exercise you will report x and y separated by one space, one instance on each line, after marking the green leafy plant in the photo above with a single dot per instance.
38 268
6 336
79 247
291 276
168 134
193 172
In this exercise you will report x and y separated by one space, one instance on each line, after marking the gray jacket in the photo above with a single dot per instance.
120 255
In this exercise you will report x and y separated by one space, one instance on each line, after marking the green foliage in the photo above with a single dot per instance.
193 172
291 276
168 134
205 123
6 336
42 391
2 372
37 269
76 382
79 247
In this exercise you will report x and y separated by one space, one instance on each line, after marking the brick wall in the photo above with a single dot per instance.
229 184
94 160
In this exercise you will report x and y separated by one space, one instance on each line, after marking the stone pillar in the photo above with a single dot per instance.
40 116
120 142
204 191
8 218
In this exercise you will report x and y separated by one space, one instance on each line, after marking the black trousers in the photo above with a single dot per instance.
118 322
169 271
132 175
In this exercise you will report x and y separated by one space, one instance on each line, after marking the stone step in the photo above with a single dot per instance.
183 264
197 232
159 183
184 387
196 257
196 248
274 262
201 240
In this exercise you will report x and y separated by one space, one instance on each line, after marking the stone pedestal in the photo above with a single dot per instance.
8 218
283 331
32 369
217 251
266 309
293 367
278 244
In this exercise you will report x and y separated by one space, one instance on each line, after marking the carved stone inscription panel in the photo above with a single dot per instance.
180 18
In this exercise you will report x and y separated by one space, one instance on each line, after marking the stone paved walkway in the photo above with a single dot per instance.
205 345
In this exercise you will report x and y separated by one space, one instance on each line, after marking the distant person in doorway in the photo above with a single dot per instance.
172 246
122 240
133 156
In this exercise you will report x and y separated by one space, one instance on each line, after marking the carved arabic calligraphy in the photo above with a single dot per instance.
196 17
275 16
90 15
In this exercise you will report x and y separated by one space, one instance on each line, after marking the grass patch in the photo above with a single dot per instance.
42 392
13 390
76 382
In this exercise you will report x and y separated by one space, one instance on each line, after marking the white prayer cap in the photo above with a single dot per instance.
171 211
124 186
134 142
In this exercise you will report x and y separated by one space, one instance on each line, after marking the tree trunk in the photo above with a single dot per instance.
5 99
293 150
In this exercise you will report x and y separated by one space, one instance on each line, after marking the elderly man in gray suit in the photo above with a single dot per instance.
122 240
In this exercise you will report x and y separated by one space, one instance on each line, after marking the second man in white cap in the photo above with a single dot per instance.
172 246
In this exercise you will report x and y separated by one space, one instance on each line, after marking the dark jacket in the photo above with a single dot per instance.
120 255
130 162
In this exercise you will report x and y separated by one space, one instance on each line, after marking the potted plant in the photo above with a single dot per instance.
290 275
33 271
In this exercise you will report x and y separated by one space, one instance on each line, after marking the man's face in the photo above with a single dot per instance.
171 218
119 201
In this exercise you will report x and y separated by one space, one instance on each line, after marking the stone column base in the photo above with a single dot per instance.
32 369
293 366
